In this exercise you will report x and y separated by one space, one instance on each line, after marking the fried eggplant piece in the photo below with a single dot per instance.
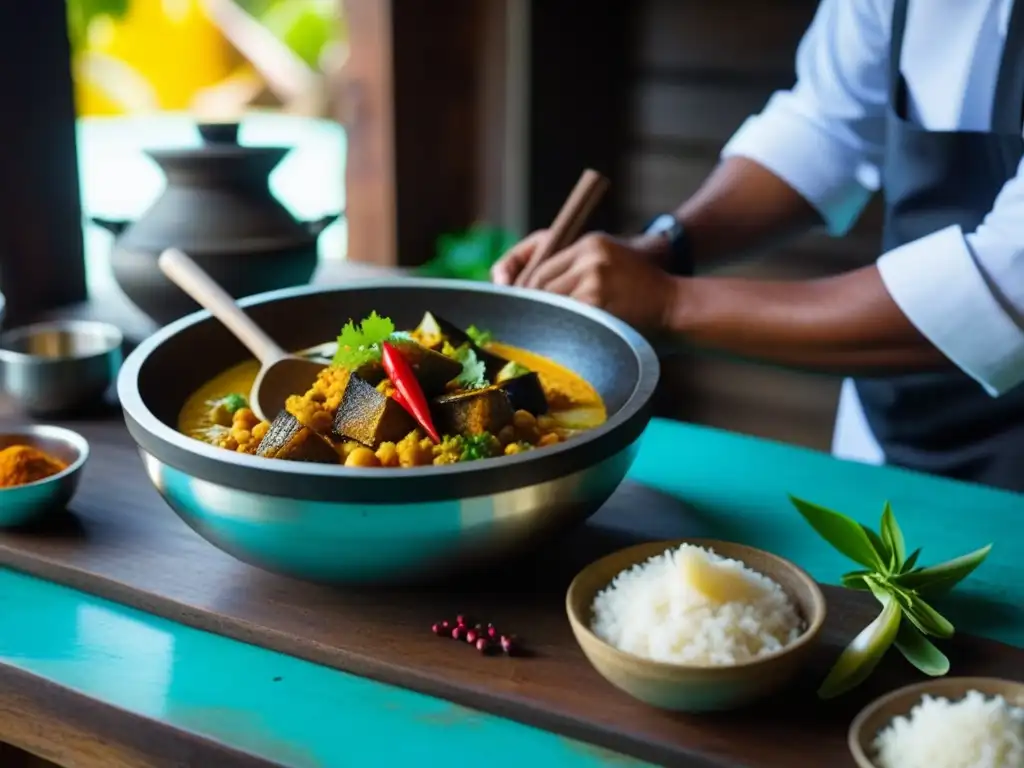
370 417
288 439
523 388
433 370
473 412
435 326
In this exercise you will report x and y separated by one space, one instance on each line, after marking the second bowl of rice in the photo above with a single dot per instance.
695 625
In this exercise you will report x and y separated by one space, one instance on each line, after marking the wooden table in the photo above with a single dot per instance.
104 684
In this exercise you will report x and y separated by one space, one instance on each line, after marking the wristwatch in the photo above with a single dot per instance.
680 254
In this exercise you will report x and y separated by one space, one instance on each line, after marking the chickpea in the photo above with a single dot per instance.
415 450
242 436
524 420
387 455
362 457
507 434
546 423
549 438
229 442
513 448
245 419
220 415
348 447
320 421
260 430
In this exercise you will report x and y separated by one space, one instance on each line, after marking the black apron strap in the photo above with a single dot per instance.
1008 100
899 25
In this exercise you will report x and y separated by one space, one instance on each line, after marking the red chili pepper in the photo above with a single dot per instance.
407 385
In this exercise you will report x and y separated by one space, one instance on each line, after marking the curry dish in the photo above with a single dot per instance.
435 395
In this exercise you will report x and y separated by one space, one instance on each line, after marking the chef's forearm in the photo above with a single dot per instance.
846 324
741 207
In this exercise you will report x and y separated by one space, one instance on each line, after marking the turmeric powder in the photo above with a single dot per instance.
23 464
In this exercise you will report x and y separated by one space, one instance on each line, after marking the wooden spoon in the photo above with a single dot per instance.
569 222
281 374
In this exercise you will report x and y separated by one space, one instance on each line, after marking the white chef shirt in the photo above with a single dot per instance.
963 290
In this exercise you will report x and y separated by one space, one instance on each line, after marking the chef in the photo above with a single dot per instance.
929 96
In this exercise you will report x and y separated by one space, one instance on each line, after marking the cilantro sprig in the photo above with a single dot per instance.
478 337
893 577
360 344
474 371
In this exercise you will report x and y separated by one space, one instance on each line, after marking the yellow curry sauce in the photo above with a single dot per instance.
573 405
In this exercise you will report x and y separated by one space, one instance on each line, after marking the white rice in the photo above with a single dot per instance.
649 610
974 732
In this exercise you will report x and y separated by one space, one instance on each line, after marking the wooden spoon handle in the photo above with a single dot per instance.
569 222
194 281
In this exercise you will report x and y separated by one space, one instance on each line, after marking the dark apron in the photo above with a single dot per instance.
945 423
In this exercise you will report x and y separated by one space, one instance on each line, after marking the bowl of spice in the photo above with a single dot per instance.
952 722
39 470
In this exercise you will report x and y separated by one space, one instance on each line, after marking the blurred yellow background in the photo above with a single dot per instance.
216 57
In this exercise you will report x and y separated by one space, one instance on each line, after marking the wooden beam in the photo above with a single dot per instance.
42 263
367 111
423 100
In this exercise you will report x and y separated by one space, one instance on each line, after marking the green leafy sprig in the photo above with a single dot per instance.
474 372
360 344
479 337
907 619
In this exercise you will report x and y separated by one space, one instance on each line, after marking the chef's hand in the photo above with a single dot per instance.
623 277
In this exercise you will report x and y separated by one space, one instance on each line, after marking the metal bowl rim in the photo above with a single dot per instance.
169 439
50 432
110 332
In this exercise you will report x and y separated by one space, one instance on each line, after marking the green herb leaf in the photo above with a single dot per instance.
942 577
861 656
882 549
928 619
906 601
234 402
474 372
911 561
478 337
856 580
893 538
921 652
358 345
846 535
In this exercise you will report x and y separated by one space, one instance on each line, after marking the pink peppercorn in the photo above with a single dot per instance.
510 644
459 632
484 645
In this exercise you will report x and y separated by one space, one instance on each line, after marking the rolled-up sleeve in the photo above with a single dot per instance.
965 291
817 135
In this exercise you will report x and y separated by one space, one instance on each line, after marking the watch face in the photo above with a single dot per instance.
665 223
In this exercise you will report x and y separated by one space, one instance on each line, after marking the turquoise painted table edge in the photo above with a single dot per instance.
302 714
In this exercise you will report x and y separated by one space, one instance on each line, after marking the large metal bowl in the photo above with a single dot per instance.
388 526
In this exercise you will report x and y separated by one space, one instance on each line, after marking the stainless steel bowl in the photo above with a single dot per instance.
388 526
59 367
24 504
3 309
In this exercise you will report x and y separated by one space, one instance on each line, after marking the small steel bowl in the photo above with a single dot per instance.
59 367
23 504
3 309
